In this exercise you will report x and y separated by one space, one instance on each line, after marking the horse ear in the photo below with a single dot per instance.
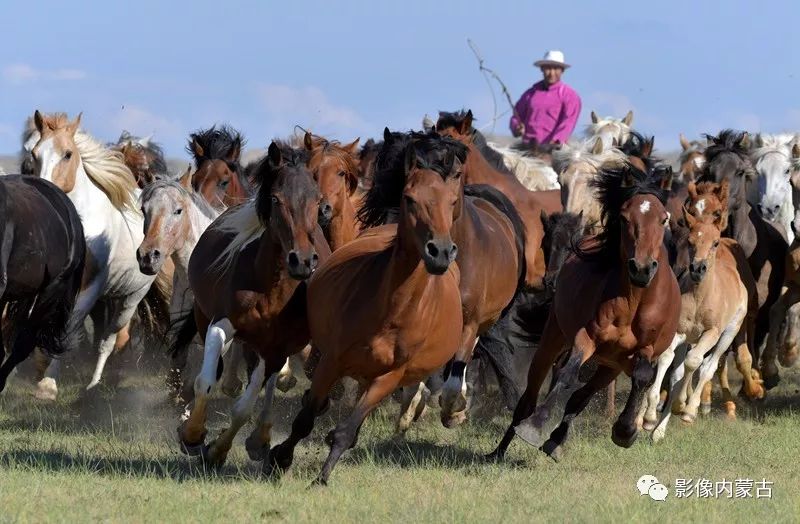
387 135
38 120
597 148
759 140
197 148
628 120
688 217
466 124
75 124
352 147
274 155
145 142
647 147
594 117
308 141
428 124
186 179
235 151
411 159
685 145
796 150
692 189
627 179
744 142
666 182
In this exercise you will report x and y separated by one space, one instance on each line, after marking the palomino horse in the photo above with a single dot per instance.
616 307
529 204
612 132
247 274
219 176
490 239
691 160
103 191
41 260
718 307
385 309
776 159
143 156
727 157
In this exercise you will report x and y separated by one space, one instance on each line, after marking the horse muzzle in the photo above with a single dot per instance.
438 255
642 274
150 262
300 266
698 270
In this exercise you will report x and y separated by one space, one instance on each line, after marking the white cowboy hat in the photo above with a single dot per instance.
553 57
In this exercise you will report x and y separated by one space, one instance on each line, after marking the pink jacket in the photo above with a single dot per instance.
549 113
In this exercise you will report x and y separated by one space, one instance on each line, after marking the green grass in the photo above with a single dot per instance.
113 457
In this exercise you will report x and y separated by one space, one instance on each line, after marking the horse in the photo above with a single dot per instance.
727 157
776 158
616 307
691 159
30 136
143 156
247 274
612 132
490 239
719 304
784 326
219 176
529 204
385 309
103 190
366 165
42 258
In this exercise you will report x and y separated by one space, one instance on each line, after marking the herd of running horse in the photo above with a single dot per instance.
393 264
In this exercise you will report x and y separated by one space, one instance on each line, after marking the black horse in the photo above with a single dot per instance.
42 255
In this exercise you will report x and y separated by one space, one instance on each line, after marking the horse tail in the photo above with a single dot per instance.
153 309
186 329
504 205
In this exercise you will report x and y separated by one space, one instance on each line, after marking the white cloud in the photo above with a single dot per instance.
25 73
308 106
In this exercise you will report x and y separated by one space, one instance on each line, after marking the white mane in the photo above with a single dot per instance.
107 170
581 151
244 221
534 173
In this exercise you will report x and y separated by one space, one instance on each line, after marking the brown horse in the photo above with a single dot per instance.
246 273
616 307
528 204
490 239
692 159
335 167
143 156
219 176
385 309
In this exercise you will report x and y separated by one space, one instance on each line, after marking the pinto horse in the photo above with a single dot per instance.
41 262
386 308
490 239
727 157
616 307
219 176
247 274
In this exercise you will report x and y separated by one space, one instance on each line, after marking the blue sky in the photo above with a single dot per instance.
350 68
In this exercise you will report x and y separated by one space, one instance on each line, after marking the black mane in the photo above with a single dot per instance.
455 120
264 173
217 143
728 141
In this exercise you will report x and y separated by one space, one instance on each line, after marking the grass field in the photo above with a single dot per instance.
112 456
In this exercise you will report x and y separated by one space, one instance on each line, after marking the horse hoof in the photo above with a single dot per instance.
649 425
46 389
276 463
454 420
318 482
622 437
771 382
705 409
213 456
192 449
688 418
553 450
257 451
233 389
496 456
529 433
286 383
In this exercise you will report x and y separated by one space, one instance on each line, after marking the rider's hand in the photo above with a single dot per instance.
520 130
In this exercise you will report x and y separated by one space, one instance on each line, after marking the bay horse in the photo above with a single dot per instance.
719 303
616 308
385 309
529 204
490 239
728 157
103 190
42 257
219 176
692 159
143 156
247 272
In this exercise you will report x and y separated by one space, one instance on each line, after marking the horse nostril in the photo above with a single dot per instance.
314 260
632 267
654 265
293 259
432 250
327 209
156 254
454 252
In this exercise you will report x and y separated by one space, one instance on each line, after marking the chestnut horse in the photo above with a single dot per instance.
692 159
247 274
490 239
385 309
219 176
143 156
616 307
529 204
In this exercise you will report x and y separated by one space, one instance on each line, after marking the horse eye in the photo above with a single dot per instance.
408 200
716 243
224 184
67 155
178 211
341 174
275 200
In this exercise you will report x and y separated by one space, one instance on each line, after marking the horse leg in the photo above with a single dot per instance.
676 358
791 340
710 365
777 316
551 347
412 399
752 385
230 383
192 432
705 394
257 444
315 401
654 393
727 397
576 404
611 395
575 372
343 437
769 365
453 400
23 344
693 360
216 452
624 430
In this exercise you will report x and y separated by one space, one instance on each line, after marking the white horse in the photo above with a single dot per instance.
612 131
104 193
534 173
776 158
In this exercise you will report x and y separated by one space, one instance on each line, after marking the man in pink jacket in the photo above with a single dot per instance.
546 113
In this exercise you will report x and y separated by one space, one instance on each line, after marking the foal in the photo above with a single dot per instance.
385 309
616 307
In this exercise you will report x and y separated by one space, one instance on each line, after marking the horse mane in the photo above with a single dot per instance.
434 152
493 157
248 220
780 143
323 146
593 128
728 141
369 147
612 192
167 181
107 170
635 145
145 145
581 151
217 143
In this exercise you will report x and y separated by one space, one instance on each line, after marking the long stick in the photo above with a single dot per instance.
487 71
